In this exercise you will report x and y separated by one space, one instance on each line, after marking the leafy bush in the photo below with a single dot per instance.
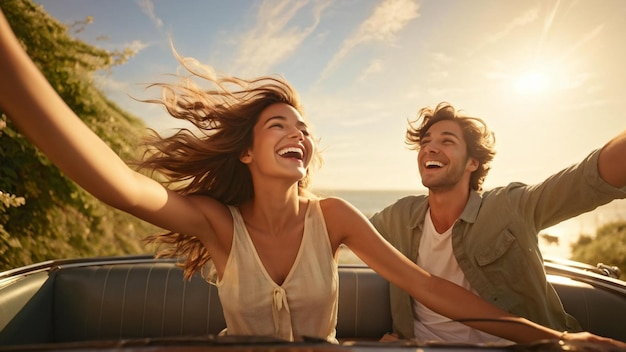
608 246
43 214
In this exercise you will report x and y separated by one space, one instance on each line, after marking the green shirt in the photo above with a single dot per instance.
495 241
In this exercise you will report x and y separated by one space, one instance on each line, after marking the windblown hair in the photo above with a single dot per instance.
207 161
479 139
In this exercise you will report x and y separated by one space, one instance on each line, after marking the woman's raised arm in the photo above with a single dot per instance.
38 111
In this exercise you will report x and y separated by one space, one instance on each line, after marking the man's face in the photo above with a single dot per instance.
442 159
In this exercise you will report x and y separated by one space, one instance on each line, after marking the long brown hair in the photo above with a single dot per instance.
206 161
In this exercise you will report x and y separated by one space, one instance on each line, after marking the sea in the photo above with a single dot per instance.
554 241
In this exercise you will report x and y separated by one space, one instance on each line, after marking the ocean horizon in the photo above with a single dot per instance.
554 241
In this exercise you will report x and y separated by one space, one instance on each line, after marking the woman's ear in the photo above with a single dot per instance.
245 157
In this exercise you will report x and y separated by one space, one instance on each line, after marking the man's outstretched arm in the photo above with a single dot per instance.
612 161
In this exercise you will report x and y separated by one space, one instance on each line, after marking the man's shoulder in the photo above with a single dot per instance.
500 198
411 200
402 207
503 190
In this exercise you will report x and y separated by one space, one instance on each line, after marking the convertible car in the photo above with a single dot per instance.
139 303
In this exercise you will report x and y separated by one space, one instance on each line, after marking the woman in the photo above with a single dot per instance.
244 206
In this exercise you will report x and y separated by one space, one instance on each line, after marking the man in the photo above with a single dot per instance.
486 241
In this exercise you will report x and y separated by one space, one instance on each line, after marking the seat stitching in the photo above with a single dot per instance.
208 311
356 304
145 302
123 315
103 294
182 308
167 280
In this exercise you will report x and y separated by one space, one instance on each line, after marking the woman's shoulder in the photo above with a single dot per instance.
217 213
336 205
204 201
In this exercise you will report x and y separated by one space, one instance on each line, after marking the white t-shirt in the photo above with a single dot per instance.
436 257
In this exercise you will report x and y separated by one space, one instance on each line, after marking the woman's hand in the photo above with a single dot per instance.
390 337
589 337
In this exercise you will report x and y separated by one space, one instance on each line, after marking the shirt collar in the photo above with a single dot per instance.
418 215
469 214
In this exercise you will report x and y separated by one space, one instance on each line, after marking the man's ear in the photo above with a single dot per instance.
245 157
472 164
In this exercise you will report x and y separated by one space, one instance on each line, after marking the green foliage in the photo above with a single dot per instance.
608 246
7 201
43 214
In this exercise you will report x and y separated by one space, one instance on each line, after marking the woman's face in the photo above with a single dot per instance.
282 146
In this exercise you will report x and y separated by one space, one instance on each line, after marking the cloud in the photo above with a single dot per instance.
443 93
147 6
387 20
273 39
438 67
441 58
589 37
136 46
374 67
106 83
520 21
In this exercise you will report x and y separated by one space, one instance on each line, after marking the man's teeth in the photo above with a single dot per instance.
432 163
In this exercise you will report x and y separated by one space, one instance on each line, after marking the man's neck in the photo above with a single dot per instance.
446 207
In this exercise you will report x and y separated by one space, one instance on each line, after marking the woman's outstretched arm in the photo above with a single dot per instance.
348 226
38 111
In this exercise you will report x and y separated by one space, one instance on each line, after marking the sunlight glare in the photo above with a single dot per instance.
532 83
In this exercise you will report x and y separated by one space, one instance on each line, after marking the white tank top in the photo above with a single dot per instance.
304 305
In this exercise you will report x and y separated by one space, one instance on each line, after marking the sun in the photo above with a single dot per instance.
533 82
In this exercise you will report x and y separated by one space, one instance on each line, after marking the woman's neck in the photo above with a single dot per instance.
272 208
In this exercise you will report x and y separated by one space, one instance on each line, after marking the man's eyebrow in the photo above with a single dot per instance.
445 133
448 133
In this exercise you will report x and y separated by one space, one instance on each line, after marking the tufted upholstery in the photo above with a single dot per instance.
150 299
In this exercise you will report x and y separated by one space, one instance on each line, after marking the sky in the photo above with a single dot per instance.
549 77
